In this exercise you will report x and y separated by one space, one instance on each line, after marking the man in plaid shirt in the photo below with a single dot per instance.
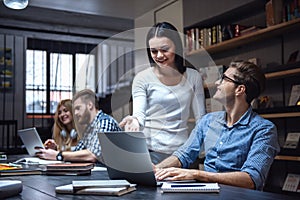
89 118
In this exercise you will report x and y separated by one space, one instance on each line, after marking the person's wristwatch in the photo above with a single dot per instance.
59 156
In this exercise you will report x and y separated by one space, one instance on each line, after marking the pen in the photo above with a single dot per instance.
14 165
186 185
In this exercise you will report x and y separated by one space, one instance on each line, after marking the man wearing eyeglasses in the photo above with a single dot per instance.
239 145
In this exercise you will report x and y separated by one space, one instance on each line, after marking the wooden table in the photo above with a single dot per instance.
43 187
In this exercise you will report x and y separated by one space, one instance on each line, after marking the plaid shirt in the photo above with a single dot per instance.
90 141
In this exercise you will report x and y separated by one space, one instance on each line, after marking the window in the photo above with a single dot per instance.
36 81
61 72
55 70
50 73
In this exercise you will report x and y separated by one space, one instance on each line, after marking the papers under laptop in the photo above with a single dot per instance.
126 156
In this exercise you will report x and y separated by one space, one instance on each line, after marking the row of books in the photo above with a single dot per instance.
278 11
291 10
204 37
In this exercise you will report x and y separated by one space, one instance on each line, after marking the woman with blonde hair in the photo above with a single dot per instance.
65 136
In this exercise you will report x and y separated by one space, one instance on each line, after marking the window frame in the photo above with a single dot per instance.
53 46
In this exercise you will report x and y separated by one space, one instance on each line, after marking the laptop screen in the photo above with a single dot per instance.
126 156
31 139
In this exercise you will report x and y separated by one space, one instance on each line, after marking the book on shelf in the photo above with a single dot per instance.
292 183
190 187
237 29
69 169
291 141
295 95
214 37
248 30
291 10
227 32
189 40
17 170
97 187
9 188
196 39
230 31
274 10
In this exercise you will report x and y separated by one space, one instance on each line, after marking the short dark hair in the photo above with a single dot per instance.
165 29
87 95
250 75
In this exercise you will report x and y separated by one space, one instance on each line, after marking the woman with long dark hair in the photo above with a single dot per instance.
164 94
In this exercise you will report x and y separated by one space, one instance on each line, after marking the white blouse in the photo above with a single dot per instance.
163 111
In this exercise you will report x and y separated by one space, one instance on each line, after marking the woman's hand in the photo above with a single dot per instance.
50 144
47 154
130 123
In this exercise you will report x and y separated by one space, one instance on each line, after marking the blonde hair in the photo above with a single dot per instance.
64 142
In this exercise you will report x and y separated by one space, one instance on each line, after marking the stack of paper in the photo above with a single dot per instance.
17 170
36 161
69 169
97 187
190 187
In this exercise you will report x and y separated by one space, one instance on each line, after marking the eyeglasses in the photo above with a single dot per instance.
223 76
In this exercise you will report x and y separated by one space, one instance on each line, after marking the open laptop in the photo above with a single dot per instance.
30 139
126 156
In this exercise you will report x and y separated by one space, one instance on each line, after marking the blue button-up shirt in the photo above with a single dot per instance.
249 145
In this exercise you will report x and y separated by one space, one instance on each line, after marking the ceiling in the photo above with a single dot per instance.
106 14
128 9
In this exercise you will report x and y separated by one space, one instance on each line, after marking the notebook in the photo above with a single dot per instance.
97 187
190 187
126 156
31 139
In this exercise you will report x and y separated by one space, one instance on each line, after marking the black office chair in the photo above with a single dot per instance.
9 140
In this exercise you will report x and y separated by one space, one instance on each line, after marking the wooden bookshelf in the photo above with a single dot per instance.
267 116
283 73
289 158
281 115
251 37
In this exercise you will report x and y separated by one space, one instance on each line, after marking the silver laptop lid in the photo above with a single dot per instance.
31 139
126 156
